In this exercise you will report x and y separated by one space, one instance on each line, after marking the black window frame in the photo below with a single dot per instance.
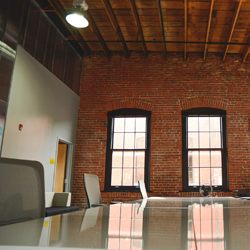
127 112
204 112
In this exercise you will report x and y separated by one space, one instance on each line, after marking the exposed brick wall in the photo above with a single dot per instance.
165 87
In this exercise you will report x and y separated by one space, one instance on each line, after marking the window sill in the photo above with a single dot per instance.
214 191
121 191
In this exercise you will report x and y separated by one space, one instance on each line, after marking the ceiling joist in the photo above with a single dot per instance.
208 27
236 13
97 33
162 27
116 26
185 28
138 24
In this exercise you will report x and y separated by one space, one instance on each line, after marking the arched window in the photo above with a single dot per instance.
128 149
204 149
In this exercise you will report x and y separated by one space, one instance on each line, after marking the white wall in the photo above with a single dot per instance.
46 107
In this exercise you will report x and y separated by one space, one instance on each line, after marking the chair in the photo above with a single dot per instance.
58 203
22 191
92 189
143 190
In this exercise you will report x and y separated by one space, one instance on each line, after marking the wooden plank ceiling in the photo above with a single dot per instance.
165 26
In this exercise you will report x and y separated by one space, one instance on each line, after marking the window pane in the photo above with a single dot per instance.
193 159
116 177
119 125
128 160
216 176
118 141
215 140
215 123
139 159
117 159
141 124
204 158
203 123
140 140
138 175
193 124
193 140
127 177
204 140
129 141
193 176
205 176
216 159
130 125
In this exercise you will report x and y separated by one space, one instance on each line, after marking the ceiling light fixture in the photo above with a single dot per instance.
76 17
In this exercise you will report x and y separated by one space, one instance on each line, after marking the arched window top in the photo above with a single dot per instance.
128 112
203 112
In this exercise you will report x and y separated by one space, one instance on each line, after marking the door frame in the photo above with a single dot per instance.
68 165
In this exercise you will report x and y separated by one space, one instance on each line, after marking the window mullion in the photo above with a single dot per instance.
199 157
133 174
210 181
124 137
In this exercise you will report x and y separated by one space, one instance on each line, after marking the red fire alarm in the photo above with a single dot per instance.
20 127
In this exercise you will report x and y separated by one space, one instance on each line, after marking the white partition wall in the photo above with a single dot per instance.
47 110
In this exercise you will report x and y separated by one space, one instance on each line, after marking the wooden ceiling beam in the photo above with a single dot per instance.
98 34
208 27
236 14
116 26
185 28
138 23
74 31
162 27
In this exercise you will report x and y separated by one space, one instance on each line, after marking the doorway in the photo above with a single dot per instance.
63 166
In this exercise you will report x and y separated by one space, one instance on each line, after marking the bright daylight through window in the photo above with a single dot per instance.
204 149
127 148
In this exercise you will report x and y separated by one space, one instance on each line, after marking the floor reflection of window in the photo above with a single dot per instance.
125 227
205 227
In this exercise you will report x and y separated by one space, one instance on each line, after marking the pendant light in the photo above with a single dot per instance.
76 17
